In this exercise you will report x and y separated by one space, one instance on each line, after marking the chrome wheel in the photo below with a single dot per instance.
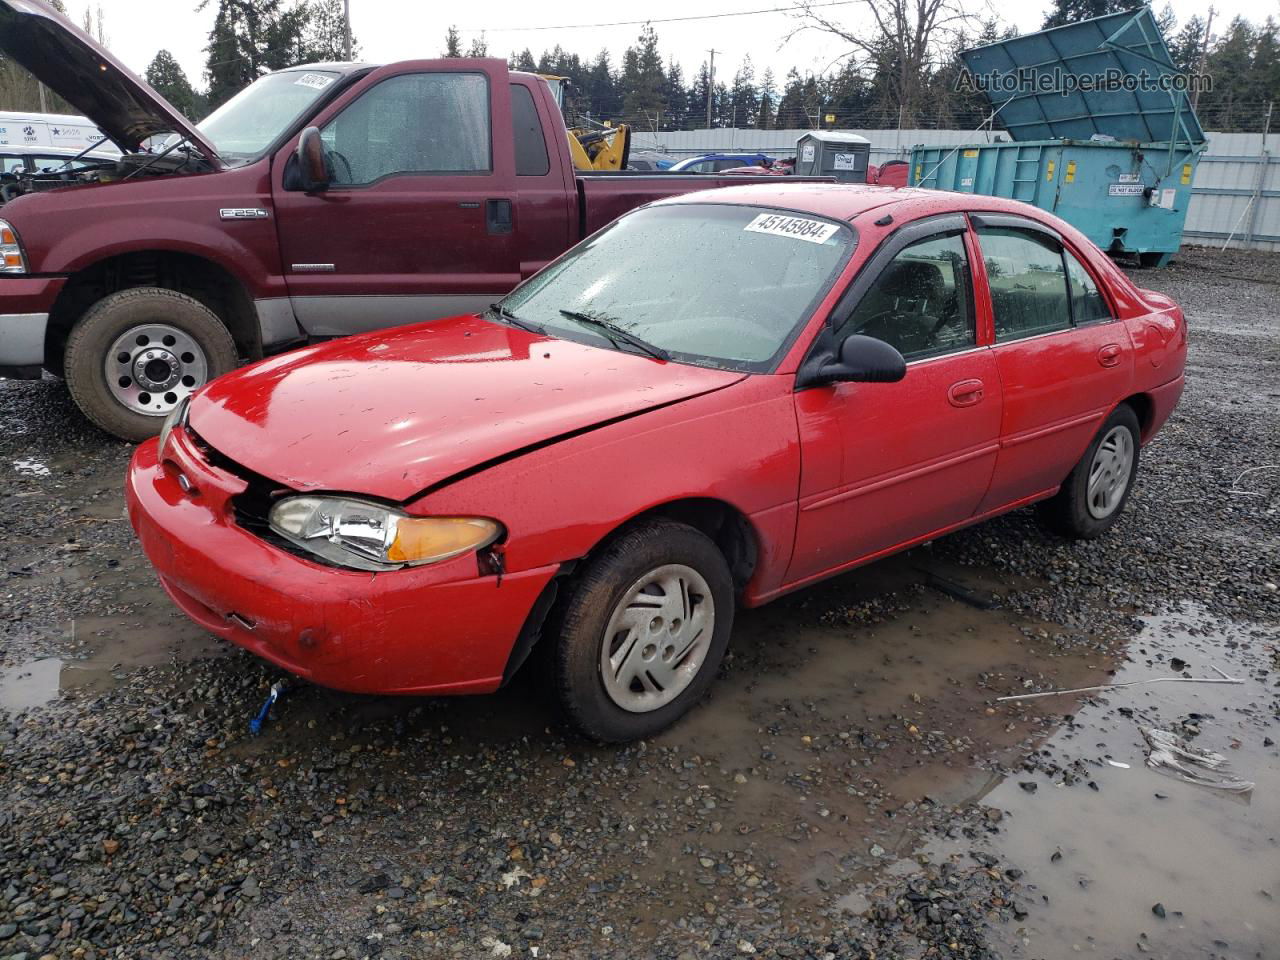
151 367
1109 472
657 638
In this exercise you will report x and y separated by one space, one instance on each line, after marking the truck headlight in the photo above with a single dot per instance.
369 536
12 259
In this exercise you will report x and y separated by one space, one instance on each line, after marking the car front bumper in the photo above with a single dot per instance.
430 630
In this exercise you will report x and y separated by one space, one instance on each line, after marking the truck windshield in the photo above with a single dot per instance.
703 283
243 127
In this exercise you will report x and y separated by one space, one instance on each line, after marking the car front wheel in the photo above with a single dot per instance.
643 632
1095 492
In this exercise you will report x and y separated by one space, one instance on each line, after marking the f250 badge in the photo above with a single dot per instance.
243 213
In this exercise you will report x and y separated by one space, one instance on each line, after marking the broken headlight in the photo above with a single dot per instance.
369 536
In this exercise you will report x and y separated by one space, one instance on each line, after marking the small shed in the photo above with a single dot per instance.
833 153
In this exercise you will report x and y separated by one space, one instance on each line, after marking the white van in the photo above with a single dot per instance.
39 141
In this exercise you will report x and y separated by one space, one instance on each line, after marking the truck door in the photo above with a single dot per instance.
419 221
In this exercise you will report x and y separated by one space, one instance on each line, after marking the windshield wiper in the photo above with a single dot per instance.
515 321
615 333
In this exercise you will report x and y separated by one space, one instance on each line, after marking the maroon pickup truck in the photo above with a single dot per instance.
320 201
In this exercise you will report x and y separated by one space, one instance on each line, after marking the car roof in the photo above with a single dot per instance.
845 201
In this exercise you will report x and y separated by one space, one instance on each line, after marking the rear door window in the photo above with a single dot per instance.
1028 282
1087 303
531 144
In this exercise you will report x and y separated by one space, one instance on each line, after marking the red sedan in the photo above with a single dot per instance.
715 400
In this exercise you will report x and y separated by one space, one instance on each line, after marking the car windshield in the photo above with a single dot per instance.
708 284
243 127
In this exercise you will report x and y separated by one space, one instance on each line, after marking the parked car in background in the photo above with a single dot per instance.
600 467
720 162
649 160
891 173
779 168
320 201
18 161
58 130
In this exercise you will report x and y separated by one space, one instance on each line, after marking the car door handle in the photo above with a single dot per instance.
1109 355
497 216
965 393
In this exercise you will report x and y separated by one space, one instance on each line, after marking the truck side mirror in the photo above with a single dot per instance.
313 166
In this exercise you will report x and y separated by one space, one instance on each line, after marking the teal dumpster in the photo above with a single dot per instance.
1100 132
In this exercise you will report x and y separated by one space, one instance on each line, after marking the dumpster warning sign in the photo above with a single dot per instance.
1124 190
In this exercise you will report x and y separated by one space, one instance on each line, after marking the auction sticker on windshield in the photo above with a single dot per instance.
798 228
316 81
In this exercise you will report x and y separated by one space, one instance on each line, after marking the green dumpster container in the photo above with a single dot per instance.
1116 163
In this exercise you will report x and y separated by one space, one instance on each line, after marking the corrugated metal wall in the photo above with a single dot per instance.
1236 189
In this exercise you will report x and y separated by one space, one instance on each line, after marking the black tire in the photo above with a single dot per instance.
1067 512
93 336
598 588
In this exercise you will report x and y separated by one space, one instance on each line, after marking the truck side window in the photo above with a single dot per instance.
531 145
1028 282
1087 303
416 123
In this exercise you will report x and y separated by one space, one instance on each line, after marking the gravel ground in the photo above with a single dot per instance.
852 788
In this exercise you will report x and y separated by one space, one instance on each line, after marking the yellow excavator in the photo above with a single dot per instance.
593 146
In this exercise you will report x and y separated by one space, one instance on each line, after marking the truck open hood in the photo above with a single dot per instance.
390 414
76 67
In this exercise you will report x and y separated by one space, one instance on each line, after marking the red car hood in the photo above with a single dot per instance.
392 413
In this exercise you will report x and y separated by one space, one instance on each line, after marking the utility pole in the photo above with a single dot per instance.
346 26
1204 54
711 84
44 103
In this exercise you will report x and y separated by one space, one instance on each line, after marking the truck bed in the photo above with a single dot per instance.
603 197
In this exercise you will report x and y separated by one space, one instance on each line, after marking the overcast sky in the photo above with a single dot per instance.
389 30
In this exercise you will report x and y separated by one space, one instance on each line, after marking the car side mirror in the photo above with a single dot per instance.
313 166
868 360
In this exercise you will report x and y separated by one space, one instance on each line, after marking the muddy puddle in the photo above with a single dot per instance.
97 653
1120 860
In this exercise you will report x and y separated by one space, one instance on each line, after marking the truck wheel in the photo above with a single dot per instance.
643 632
136 353
1093 496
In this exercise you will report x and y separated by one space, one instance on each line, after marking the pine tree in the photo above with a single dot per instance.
1069 11
479 46
1231 65
768 98
601 89
642 81
791 113
452 43
523 61
677 114
697 97
744 99
1185 47
168 79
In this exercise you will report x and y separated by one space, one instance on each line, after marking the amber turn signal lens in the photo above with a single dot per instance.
432 539
7 237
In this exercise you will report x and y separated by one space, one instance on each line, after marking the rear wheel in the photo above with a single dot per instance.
1095 492
643 632
137 353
